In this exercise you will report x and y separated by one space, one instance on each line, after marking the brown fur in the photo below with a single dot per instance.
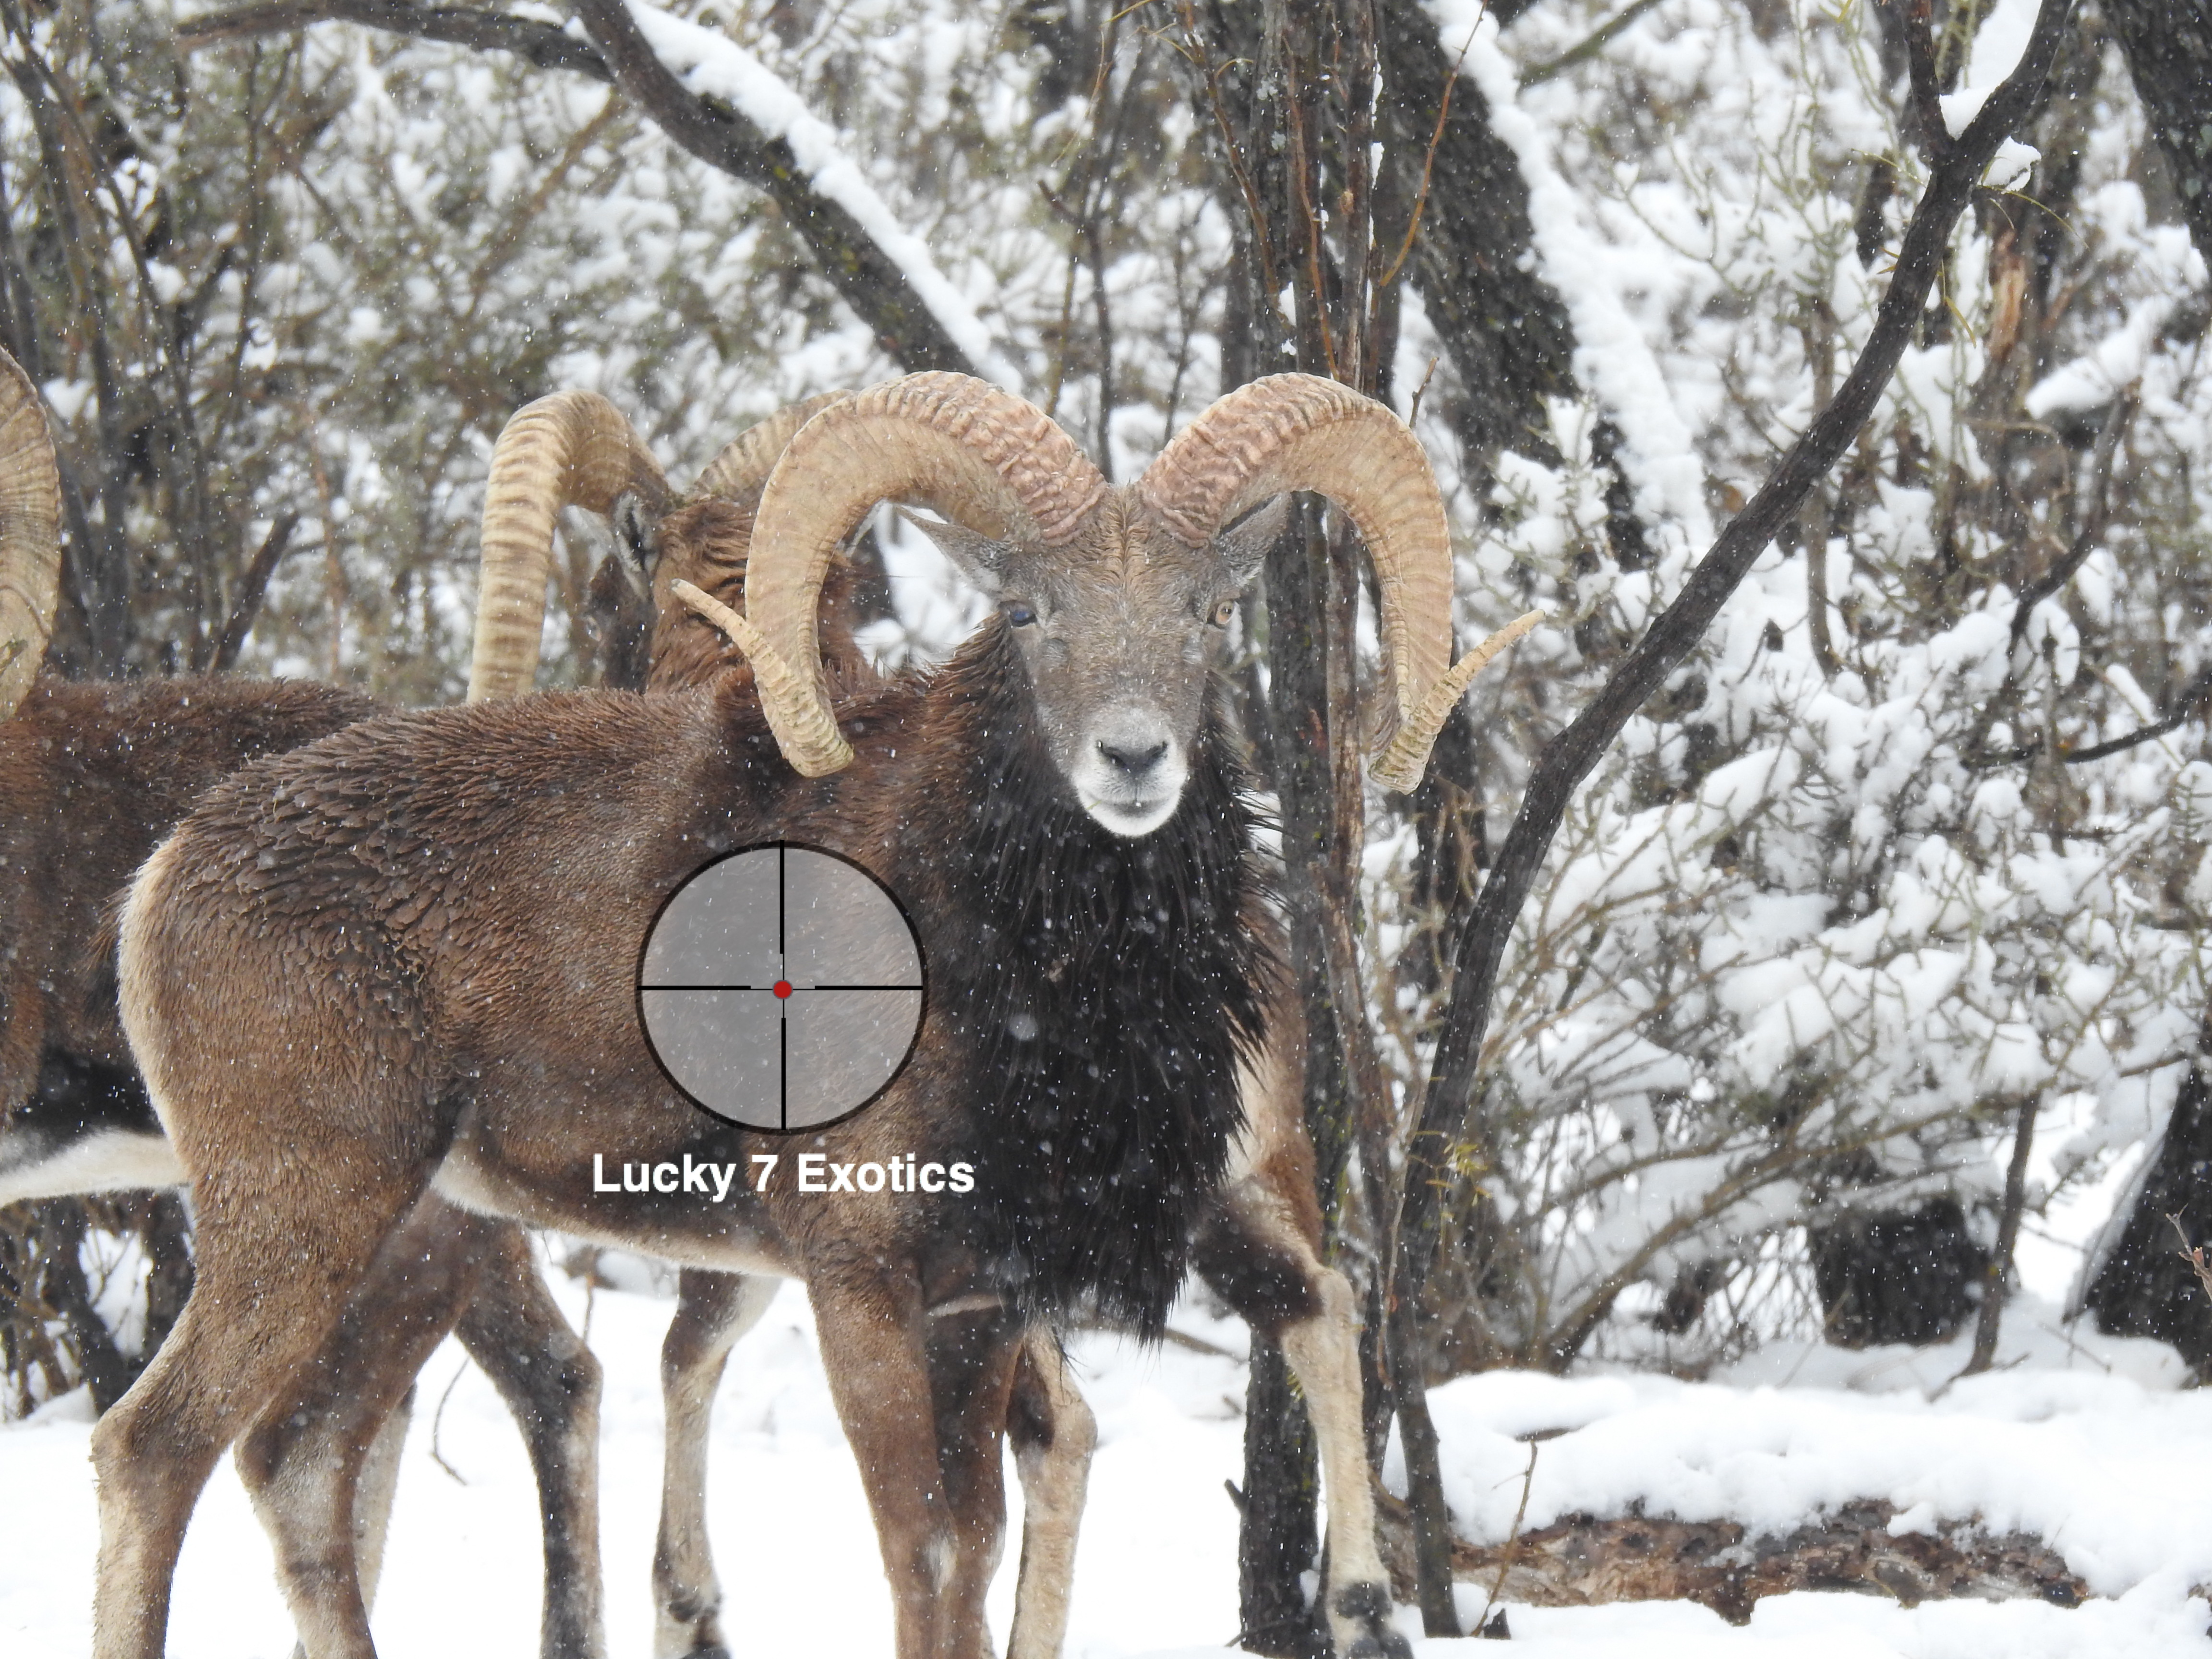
93 775
392 907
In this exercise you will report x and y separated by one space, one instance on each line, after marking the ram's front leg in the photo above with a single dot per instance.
713 1310
1324 1354
872 1328
972 1357
1054 1434
1260 1249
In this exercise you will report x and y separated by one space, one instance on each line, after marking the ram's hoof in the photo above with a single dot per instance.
1366 1609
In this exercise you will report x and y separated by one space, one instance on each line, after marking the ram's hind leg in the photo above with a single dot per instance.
374 1489
273 1274
321 1462
713 1310
550 1381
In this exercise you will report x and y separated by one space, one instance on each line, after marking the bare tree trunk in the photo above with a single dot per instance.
1279 1514
1286 91
1996 1280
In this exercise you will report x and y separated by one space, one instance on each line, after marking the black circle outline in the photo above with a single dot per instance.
638 987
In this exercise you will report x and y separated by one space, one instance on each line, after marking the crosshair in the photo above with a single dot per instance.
782 987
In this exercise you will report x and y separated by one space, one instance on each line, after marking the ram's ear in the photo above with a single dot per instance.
637 539
984 560
1246 544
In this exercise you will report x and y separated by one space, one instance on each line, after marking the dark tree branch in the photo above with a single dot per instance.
1998 1277
1572 756
2190 700
864 277
545 44
2034 593
869 280
1588 46
1930 132
1193 43
253 587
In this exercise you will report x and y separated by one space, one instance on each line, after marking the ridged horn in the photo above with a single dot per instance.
980 457
1300 432
1402 761
741 469
571 449
30 534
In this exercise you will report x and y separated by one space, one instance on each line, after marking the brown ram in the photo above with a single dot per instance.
414 941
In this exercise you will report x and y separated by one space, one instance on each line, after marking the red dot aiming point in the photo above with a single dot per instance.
781 987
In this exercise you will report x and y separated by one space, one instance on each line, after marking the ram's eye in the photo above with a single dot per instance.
1019 614
1223 612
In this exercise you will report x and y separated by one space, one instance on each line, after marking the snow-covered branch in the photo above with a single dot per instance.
731 111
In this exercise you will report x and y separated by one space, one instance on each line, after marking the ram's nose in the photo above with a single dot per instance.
1132 774
1134 759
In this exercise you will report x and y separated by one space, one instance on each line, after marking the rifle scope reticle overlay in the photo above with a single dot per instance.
781 987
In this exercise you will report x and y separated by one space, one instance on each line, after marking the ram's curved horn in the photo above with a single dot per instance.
776 681
572 449
741 469
30 534
983 457
1300 432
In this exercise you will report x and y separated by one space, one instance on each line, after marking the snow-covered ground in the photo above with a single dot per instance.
2084 1441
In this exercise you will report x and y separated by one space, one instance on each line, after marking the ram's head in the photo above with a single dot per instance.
1118 598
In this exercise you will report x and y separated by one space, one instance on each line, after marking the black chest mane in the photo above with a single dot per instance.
1101 989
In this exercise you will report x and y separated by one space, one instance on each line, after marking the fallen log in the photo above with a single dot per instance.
1583 1561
